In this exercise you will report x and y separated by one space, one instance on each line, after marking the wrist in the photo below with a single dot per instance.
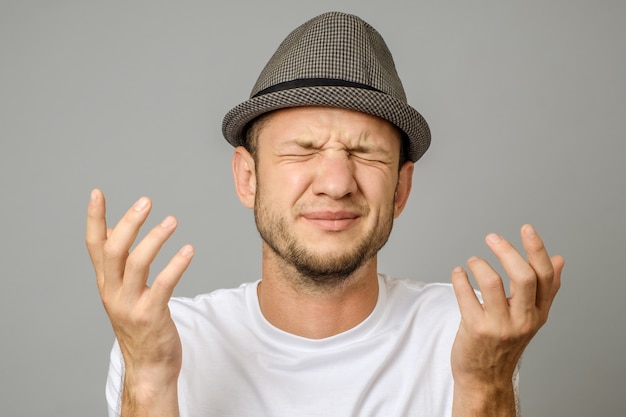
474 398
149 394
151 378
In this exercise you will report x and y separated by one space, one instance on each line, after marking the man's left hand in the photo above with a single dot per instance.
494 333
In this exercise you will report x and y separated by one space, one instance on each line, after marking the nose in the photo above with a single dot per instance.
334 175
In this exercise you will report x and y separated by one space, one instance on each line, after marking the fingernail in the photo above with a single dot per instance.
530 231
94 196
169 221
472 259
186 250
493 238
457 270
141 204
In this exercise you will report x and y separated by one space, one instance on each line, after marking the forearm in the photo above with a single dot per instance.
484 401
149 399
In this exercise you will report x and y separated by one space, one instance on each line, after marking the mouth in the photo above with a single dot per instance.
334 221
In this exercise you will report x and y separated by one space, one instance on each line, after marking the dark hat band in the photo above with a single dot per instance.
313 82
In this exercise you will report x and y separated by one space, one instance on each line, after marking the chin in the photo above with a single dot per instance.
328 266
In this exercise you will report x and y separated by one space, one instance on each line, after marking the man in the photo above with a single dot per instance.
324 155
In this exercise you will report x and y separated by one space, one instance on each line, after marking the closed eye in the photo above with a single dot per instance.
374 157
298 154
298 148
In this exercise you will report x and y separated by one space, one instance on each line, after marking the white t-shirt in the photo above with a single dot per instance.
235 363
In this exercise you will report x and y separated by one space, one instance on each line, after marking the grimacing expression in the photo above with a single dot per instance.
325 189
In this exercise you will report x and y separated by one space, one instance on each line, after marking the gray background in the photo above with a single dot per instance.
527 105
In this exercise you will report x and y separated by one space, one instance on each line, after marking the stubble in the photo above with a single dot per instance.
311 269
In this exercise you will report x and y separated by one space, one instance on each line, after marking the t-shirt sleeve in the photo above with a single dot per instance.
518 411
114 383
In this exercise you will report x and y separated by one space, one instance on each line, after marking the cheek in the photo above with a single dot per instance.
377 188
297 179
285 185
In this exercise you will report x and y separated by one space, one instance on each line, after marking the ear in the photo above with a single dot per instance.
245 176
403 188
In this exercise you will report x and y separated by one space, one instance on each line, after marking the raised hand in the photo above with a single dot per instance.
139 314
493 334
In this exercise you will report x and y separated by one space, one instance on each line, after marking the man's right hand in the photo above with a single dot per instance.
139 314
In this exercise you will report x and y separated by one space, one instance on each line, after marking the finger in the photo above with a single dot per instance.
96 230
468 302
541 263
120 241
523 280
490 286
558 263
164 283
137 266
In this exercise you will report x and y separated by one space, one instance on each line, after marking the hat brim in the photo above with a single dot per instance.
376 103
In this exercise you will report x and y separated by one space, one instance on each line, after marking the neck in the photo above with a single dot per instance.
313 310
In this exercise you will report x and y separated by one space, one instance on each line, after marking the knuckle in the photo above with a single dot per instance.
112 250
93 214
483 332
507 337
140 318
527 279
124 315
91 245
491 282
109 306
539 245
112 307
530 324
134 263
546 273
162 283
496 332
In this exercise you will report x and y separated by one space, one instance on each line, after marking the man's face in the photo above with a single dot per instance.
325 185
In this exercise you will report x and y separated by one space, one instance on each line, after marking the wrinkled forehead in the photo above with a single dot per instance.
317 127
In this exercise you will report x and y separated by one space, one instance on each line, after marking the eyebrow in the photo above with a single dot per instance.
361 145
301 141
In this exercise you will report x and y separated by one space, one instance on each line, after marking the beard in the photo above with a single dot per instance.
320 269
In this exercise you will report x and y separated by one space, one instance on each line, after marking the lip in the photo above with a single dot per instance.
332 220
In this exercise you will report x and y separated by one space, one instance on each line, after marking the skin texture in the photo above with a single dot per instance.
139 314
324 189
493 335
325 186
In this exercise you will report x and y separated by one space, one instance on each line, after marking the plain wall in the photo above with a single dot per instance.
527 106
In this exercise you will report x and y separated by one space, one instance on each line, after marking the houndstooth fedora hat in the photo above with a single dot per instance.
334 60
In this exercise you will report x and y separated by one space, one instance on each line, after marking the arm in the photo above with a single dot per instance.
139 314
493 334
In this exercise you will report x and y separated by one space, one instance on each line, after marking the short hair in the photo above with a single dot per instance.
253 130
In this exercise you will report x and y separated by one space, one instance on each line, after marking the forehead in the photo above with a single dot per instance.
316 126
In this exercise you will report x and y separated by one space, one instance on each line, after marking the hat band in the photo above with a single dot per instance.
313 82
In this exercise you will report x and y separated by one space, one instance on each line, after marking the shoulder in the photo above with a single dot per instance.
423 300
215 304
420 291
